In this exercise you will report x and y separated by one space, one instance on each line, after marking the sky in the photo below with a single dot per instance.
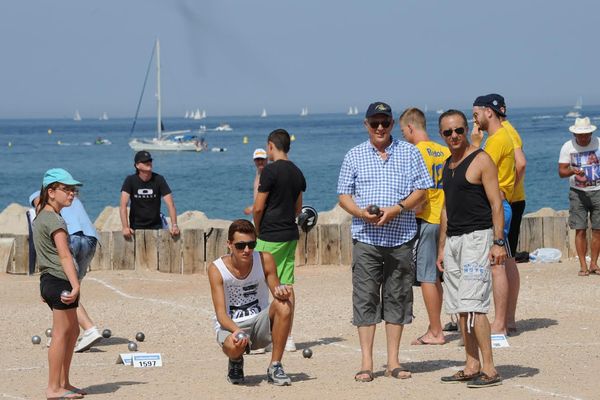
238 57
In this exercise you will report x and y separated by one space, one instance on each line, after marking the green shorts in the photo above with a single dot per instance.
284 254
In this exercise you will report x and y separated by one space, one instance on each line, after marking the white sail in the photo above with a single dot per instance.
104 117
203 114
77 117
304 112
578 104
187 114
350 111
263 114
355 110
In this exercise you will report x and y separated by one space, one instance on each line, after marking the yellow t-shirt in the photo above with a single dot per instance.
435 156
501 149
519 192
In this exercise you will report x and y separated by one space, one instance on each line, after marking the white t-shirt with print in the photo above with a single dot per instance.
586 158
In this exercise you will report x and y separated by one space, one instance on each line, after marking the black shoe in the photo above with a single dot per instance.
235 372
450 327
485 381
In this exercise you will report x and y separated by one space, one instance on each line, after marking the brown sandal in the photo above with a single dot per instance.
368 378
583 273
398 373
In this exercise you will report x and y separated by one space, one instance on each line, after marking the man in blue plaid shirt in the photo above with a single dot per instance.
391 175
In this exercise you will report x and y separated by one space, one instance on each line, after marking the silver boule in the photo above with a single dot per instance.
49 332
132 346
36 339
140 337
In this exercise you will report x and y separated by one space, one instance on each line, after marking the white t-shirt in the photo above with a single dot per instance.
586 158
244 298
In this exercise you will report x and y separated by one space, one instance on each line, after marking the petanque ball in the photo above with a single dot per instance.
307 353
36 339
65 293
241 335
132 346
106 333
373 209
49 332
140 336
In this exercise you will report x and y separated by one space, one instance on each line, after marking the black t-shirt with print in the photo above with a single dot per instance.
284 182
144 209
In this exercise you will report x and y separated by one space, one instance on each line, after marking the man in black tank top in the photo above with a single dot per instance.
472 223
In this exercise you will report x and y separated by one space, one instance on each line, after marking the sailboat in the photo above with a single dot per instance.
167 141
104 116
304 112
350 111
574 113
263 114
77 117
355 110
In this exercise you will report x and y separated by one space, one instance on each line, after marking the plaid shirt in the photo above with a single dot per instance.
372 180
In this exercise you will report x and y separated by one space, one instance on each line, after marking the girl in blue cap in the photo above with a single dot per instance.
59 285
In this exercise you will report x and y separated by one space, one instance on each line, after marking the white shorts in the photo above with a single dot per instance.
467 272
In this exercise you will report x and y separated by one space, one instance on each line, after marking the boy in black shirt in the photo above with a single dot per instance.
278 201
144 189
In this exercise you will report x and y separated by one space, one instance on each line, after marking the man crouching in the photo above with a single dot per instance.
240 283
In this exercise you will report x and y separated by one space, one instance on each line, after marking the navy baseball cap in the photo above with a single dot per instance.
493 101
379 107
142 157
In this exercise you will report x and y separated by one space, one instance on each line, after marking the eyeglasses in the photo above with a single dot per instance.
448 132
375 124
242 245
68 190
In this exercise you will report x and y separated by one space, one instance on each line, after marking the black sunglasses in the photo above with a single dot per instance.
242 245
375 124
448 132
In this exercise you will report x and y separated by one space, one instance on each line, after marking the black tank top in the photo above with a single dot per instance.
467 206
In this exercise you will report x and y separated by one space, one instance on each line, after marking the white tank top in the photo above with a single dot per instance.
244 298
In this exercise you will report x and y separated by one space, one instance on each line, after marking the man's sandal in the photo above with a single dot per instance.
398 373
364 376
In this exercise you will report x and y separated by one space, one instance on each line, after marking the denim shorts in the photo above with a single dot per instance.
83 249
426 249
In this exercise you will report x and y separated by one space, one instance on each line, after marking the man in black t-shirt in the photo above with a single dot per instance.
145 189
277 203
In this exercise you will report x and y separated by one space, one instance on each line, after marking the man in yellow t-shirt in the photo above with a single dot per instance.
500 147
413 126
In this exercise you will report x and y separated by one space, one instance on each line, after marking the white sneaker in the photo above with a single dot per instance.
87 340
290 345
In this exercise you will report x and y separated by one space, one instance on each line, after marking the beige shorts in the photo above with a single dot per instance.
257 327
467 272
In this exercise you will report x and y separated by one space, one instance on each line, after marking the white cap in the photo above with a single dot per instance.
259 153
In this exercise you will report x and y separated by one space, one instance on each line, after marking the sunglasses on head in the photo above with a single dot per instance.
448 132
242 245
375 124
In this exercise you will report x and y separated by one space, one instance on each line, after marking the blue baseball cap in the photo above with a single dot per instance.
378 107
59 175
493 101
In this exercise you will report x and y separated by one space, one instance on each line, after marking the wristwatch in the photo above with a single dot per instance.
499 242
402 208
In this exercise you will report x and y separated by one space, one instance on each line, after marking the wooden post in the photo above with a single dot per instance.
169 252
7 254
20 263
346 244
193 251
329 244
146 249
123 252
312 247
216 244
102 257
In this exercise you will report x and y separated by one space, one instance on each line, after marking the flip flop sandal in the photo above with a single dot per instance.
398 373
595 271
583 273
420 342
368 378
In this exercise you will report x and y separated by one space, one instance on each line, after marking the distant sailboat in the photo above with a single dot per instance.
350 111
263 114
304 112
574 113
104 116
355 110
77 117
187 114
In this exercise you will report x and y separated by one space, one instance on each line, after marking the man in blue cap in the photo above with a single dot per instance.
390 174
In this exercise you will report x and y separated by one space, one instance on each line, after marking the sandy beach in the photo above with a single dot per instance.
554 355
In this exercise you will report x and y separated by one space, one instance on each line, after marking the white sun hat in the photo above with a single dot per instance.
582 125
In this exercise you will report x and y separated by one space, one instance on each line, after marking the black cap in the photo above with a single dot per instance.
378 108
493 101
142 157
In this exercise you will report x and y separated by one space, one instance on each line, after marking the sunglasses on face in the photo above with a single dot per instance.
68 189
448 132
375 124
242 245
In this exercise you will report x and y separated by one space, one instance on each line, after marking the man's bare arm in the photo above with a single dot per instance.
259 209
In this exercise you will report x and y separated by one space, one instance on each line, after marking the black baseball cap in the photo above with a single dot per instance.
142 157
493 101
379 107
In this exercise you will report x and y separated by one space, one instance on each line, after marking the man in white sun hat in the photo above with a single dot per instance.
578 161
260 160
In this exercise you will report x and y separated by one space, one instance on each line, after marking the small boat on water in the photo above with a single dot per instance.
77 116
304 112
574 113
224 128
104 116
263 114
165 141
100 140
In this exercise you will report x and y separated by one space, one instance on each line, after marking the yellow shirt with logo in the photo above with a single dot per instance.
519 192
501 149
435 156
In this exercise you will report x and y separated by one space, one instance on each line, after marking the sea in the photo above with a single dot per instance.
219 181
